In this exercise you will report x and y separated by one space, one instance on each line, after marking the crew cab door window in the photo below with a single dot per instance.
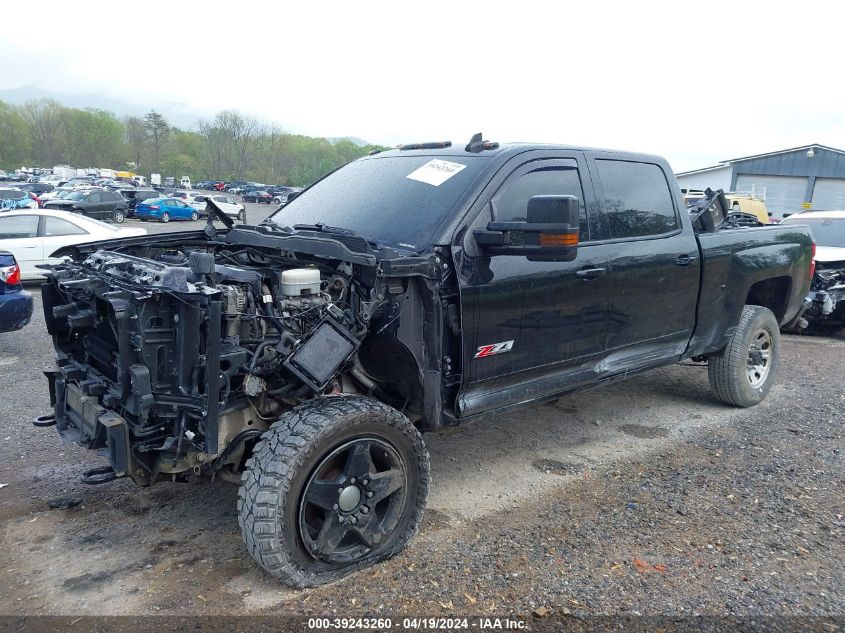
654 265
637 200
510 204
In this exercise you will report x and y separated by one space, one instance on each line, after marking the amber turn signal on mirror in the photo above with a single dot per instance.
558 239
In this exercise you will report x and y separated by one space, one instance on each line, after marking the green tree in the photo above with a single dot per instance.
15 140
135 134
93 138
231 143
158 131
45 120
182 155
231 146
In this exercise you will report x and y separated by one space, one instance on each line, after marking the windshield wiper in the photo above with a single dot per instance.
275 225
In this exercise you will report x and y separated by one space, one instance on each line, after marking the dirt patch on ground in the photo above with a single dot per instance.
646 497
644 432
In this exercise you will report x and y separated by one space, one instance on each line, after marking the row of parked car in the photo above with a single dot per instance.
251 191
117 204
38 218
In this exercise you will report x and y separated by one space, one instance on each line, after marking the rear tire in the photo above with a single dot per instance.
195 216
336 485
165 217
744 374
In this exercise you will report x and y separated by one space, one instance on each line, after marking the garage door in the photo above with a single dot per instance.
784 194
829 194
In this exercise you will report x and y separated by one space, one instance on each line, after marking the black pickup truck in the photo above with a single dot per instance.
423 286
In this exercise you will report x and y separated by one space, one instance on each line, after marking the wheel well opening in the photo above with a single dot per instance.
772 294
393 367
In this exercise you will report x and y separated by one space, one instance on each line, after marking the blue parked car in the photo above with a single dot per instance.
11 199
15 302
164 210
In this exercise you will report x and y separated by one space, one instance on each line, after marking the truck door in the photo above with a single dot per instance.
654 264
533 328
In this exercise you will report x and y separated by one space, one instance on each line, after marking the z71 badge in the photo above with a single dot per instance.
495 348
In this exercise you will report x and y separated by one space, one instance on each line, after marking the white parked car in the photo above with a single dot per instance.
229 206
282 198
197 201
33 235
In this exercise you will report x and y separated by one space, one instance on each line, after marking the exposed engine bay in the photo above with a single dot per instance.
175 355
827 294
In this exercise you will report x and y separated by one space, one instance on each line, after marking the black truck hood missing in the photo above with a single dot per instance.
340 247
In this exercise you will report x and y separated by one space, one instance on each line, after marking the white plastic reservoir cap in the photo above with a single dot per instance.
298 281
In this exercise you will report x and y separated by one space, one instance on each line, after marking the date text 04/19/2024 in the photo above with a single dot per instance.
414 624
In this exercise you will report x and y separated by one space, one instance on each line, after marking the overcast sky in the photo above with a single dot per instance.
697 82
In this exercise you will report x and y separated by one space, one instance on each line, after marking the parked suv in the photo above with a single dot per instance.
95 203
425 286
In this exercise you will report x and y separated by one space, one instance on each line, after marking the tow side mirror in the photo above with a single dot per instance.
549 234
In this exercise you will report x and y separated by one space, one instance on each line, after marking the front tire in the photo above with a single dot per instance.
743 375
242 215
118 216
337 484
195 216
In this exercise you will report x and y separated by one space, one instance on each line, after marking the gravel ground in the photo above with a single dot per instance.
645 498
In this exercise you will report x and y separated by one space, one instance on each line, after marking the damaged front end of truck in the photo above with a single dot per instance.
825 304
176 352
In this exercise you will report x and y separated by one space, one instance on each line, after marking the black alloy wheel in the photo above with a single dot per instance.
335 485
352 501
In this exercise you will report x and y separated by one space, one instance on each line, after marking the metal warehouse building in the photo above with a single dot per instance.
809 177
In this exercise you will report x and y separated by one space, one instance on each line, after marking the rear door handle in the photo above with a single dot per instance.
590 273
684 259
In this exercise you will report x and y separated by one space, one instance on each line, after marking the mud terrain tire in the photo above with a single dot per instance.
276 515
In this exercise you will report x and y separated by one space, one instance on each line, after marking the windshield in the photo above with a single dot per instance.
74 195
12 194
392 199
825 231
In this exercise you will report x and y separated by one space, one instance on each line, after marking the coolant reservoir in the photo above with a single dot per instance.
299 281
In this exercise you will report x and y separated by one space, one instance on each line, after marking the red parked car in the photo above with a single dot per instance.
258 196
219 186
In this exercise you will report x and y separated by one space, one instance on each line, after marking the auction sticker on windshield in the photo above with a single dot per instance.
436 172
